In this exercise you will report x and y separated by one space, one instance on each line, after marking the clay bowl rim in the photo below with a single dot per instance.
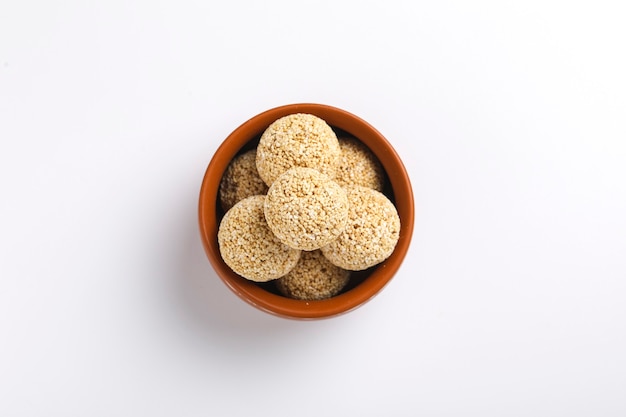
283 306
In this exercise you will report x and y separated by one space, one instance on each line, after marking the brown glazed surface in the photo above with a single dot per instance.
364 285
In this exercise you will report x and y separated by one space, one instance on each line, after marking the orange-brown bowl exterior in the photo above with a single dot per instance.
374 280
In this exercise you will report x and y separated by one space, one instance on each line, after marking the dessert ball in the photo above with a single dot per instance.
297 140
241 180
249 247
313 278
305 209
358 165
371 234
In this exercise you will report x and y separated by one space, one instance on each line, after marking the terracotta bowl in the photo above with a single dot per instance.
364 284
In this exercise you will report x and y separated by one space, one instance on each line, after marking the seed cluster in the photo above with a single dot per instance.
359 166
297 140
241 180
313 278
308 211
249 247
305 209
371 234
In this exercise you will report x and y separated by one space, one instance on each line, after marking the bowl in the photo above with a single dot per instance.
363 284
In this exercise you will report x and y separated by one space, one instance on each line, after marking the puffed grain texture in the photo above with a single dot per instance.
249 247
371 234
297 140
358 165
313 278
240 180
305 209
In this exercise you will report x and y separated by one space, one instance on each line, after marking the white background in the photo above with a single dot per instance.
511 120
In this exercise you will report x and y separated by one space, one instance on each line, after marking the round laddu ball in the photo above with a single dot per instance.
371 234
297 140
240 180
359 166
313 278
305 209
249 247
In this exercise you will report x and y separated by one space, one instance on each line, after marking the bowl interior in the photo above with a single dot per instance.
363 284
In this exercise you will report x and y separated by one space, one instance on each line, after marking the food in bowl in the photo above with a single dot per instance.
363 286
241 180
306 209
249 247
297 140
359 166
312 204
313 278
371 233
